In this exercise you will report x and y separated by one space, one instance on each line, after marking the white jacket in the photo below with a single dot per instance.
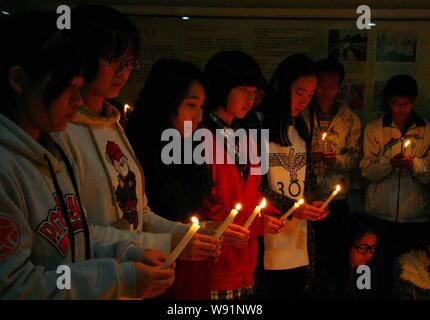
94 142
382 141
34 234
343 138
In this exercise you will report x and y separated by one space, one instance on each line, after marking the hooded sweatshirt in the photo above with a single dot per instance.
113 185
382 141
34 228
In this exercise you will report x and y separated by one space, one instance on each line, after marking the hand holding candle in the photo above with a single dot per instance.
292 209
256 211
181 246
331 197
227 221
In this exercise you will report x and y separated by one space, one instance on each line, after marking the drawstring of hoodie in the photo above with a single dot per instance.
64 210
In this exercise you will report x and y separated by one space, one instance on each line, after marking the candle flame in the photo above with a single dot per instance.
324 135
338 188
127 108
194 220
238 207
263 203
301 201
407 142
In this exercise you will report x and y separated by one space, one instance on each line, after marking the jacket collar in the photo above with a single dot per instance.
413 119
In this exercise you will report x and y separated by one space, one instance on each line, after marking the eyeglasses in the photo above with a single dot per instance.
117 63
363 249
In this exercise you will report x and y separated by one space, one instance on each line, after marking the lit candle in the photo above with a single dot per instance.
127 110
292 209
334 193
324 142
183 243
405 145
227 221
256 211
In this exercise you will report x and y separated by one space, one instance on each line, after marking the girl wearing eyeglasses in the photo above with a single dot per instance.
112 181
42 222
339 276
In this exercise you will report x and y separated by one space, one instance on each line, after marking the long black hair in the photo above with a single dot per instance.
32 41
277 103
174 190
277 109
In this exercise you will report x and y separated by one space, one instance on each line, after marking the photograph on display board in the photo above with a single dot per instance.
348 45
396 46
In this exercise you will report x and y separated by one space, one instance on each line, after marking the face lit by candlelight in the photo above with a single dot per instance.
302 91
110 81
363 250
190 108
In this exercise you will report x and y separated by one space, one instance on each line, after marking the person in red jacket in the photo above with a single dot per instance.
234 78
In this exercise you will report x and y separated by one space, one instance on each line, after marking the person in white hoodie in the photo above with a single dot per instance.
112 180
43 227
397 164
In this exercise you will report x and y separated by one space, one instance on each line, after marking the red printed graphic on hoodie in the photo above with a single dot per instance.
54 227
125 192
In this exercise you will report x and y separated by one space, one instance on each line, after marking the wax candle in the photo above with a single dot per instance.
292 209
256 211
183 243
334 193
227 221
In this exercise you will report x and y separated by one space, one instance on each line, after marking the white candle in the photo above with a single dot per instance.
292 209
334 193
227 221
183 243
256 211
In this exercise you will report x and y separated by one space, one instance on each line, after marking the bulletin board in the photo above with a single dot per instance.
370 57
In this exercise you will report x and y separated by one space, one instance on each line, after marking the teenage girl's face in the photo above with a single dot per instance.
111 80
190 109
55 116
302 91
363 249
240 101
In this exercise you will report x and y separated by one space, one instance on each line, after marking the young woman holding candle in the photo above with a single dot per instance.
289 244
112 181
234 78
42 221
174 92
